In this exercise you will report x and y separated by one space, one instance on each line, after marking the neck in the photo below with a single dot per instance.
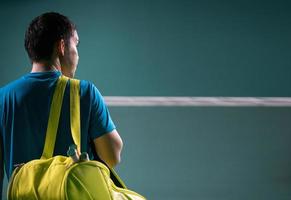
44 67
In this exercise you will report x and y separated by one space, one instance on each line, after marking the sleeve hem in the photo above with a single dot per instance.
103 133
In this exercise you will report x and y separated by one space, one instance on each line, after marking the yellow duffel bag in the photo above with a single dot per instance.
60 177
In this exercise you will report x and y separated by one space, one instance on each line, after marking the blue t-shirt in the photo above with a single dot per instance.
24 111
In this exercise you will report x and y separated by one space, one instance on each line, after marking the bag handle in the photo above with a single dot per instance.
74 120
55 112
75 124
75 112
54 116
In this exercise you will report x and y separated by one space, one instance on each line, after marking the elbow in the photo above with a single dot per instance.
113 161
116 158
109 148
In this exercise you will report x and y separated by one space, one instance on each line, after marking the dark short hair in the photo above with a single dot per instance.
43 33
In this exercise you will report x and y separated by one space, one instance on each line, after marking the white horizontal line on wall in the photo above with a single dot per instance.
198 101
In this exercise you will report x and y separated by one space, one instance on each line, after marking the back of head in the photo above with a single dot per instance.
44 32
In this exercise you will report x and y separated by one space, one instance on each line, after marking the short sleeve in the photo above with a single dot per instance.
100 120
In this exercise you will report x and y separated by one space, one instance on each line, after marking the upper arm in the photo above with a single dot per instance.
102 130
100 119
108 147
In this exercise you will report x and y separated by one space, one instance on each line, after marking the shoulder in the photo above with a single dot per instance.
88 87
8 92
14 85
14 88
90 91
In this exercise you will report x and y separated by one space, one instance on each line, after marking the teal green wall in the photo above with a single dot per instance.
182 48
207 153
196 48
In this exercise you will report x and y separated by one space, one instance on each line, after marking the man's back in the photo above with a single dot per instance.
24 111
51 41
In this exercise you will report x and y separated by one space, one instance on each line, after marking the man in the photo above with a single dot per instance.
51 42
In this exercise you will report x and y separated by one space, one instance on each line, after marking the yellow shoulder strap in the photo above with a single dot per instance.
75 122
55 111
54 117
75 112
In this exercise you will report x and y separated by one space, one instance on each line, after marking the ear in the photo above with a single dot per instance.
61 47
